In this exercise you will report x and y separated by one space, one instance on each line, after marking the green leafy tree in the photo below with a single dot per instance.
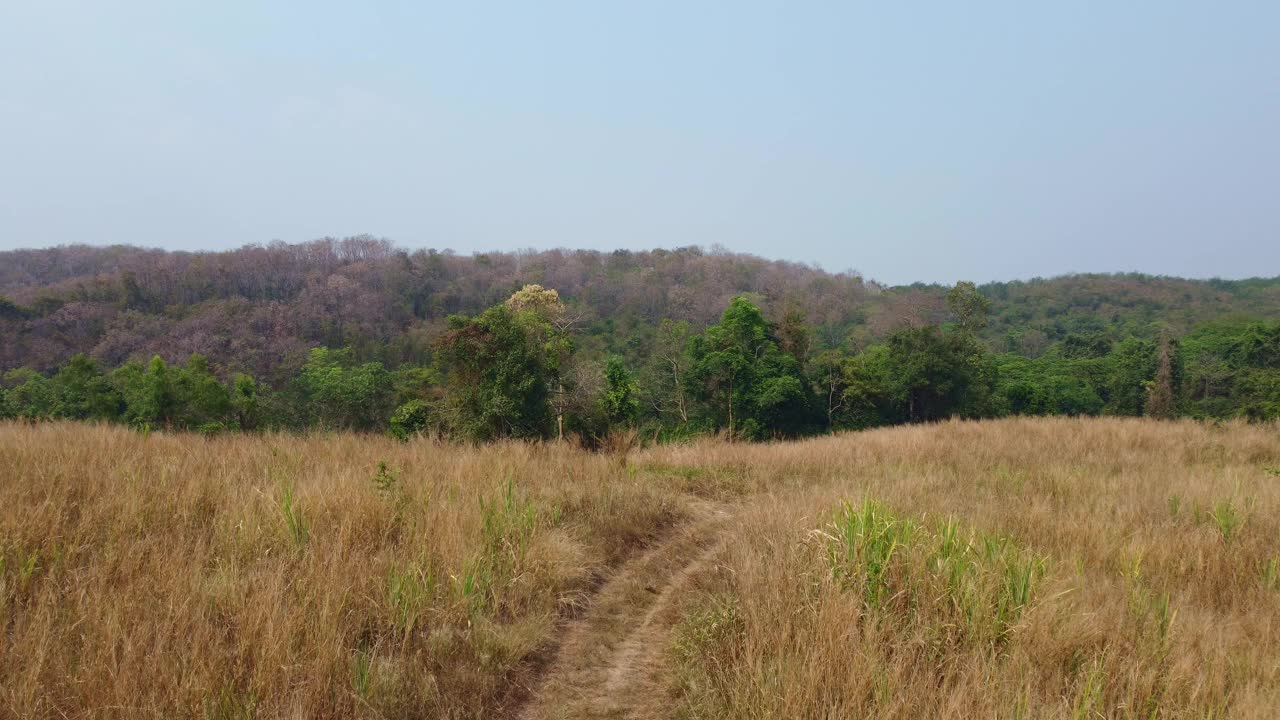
927 371
78 391
936 375
547 325
752 388
620 397
341 393
1257 346
83 392
147 392
31 396
1128 369
1257 394
1228 370
200 400
411 418
1045 386
724 360
185 396
969 307
1094 345
499 380
414 382
872 394
245 401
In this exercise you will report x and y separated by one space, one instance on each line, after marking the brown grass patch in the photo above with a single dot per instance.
284 576
1021 568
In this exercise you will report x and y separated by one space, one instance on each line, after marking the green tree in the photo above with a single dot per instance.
620 398
200 400
78 391
1227 370
31 396
245 403
752 387
128 381
411 418
1044 386
937 375
1127 369
1258 346
547 324
927 371
414 382
1257 394
871 394
83 392
969 307
499 378
147 392
342 393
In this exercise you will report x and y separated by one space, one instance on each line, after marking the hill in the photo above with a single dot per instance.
344 333
259 309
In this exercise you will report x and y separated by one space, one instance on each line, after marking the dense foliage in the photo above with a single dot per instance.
355 334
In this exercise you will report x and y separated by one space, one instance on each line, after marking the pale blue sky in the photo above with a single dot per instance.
909 140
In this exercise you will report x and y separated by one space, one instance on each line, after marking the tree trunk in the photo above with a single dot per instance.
560 412
731 408
675 373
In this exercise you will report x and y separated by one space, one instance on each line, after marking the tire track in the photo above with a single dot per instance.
610 660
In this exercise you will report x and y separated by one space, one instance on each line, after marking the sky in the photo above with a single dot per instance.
929 141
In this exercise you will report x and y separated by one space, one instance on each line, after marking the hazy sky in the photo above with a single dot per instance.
907 140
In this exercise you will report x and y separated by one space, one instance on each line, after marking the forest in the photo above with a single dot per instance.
357 334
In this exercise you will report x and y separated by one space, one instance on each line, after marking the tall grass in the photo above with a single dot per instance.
168 575
1015 569
1025 568
291 512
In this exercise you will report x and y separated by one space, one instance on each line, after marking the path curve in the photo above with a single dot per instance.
610 660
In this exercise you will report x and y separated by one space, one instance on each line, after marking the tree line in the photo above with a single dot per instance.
525 368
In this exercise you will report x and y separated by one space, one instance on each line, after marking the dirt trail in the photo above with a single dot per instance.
610 660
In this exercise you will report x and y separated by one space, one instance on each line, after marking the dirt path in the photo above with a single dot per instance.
610 660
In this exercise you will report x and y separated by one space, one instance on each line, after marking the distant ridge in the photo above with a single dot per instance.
259 308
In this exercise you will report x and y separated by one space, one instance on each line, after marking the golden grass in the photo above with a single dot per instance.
1151 548
163 576
1021 568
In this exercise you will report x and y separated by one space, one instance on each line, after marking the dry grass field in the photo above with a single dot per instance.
1052 568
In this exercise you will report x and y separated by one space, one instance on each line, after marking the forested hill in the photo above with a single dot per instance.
261 309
